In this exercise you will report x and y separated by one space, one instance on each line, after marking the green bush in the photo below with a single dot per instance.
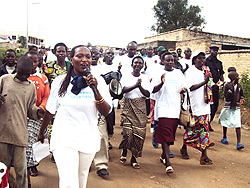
245 82
3 49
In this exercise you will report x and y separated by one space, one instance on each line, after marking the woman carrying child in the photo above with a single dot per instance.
230 114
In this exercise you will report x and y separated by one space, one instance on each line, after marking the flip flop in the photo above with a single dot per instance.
123 159
169 169
163 161
136 165
240 146
206 161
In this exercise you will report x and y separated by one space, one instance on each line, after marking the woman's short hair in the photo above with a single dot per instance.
59 44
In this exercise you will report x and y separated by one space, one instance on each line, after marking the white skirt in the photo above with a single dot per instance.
230 118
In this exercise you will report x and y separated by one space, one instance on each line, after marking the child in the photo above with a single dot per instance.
42 92
230 69
230 114
9 63
17 101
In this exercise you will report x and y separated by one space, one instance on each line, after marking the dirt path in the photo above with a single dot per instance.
231 167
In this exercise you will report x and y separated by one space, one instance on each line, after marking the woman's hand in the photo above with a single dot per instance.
41 137
182 90
207 78
163 78
90 79
138 83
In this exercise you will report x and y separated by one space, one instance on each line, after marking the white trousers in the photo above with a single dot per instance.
73 167
101 158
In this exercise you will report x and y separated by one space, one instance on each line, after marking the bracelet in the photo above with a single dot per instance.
100 101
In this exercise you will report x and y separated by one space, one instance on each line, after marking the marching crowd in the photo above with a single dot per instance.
72 101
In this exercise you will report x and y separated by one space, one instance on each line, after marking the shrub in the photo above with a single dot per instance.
245 83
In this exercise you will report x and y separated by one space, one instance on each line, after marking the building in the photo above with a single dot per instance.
233 51
13 36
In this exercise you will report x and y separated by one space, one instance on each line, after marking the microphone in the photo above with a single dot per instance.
87 72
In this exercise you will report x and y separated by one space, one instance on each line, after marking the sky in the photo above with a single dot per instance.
112 22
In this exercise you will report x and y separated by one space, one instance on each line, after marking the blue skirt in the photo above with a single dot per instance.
230 118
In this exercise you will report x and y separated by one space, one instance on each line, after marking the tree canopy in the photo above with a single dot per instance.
176 14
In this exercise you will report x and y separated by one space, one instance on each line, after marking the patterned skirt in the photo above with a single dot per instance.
33 130
198 136
133 122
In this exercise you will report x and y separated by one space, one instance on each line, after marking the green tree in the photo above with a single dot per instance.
22 41
176 14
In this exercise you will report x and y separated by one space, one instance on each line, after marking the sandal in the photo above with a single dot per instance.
206 161
169 169
33 171
224 141
184 155
123 159
211 144
136 165
240 146
163 161
171 155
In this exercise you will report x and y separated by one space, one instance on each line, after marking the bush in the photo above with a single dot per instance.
245 83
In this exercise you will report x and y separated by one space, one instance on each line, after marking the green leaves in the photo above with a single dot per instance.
176 14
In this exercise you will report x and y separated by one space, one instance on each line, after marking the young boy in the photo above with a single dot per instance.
17 102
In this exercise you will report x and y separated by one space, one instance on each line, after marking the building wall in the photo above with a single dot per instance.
186 35
239 59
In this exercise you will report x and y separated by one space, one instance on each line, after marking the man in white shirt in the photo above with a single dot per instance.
186 61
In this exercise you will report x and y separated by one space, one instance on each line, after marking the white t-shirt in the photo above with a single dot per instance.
125 62
168 99
197 100
76 119
185 61
152 65
129 80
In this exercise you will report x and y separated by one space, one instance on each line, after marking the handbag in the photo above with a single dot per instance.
186 117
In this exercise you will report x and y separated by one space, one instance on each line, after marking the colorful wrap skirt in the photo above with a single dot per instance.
198 136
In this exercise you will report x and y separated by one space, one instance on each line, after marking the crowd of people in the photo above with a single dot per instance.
69 100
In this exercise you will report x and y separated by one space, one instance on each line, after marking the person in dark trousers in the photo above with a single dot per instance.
216 69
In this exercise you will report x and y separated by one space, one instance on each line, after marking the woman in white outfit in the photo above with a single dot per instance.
77 108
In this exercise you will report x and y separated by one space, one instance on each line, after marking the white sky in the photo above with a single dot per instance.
112 22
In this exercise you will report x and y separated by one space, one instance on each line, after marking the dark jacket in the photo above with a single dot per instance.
215 67
233 96
3 70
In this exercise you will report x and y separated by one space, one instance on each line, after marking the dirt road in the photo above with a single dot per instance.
231 167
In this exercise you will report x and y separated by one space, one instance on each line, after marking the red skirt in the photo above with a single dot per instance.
165 131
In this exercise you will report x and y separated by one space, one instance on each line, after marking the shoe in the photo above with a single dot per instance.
224 141
211 144
171 155
33 171
240 146
206 161
110 146
184 155
163 161
136 165
103 173
169 169
123 159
